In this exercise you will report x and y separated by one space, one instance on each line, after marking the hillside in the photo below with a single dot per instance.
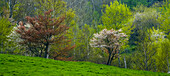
34 66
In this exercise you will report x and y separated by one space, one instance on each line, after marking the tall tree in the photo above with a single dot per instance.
142 22
5 29
111 40
81 38
115 15
165 21
3 5
83 10
19 11
11 7
162 47
134 3
152 53
43 31
58 6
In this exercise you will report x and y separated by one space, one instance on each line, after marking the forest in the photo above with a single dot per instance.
132 34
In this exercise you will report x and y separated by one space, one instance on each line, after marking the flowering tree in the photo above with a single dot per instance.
110 40
42 32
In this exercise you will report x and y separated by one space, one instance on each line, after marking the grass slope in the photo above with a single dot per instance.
34 66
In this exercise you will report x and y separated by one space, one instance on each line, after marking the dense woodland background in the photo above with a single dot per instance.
67 30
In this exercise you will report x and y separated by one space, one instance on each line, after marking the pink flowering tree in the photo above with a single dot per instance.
111 40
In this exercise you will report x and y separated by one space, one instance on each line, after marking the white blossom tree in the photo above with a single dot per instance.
111 40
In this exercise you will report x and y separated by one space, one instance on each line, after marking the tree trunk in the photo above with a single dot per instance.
93 5
40 54
146 63
110 53
46 50
119 60
168 64
1 47
125 62
11 6
108 61
112 57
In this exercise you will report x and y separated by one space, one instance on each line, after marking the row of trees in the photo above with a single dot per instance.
67 32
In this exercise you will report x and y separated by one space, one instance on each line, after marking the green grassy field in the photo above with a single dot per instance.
34 66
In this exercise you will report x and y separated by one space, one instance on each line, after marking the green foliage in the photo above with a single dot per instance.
85 14
162 46
59 9
152 53
19 11
162 56
141 23
3 5
4 10
58 6
115 15
21 65
83 51
82 42
13 43
141 9
165 19
5 29
81 38
146 56
134 3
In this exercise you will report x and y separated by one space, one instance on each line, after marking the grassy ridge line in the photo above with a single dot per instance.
35 66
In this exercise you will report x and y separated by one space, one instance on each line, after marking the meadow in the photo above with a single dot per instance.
11 65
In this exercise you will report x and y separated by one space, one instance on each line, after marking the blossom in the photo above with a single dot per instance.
107 38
